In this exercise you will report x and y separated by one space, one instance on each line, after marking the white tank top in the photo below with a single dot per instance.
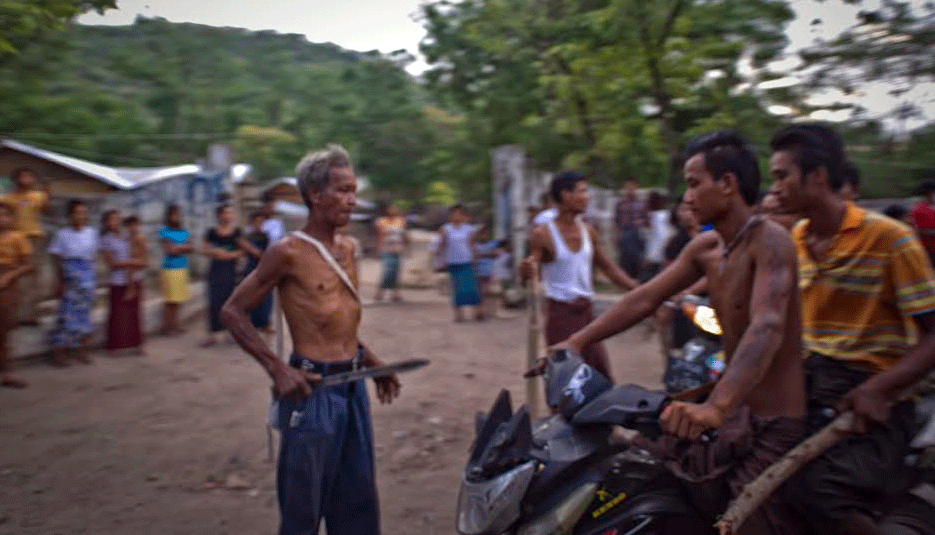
568 277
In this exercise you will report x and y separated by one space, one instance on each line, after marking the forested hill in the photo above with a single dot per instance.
159 92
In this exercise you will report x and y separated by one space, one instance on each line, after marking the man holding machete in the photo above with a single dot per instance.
326 462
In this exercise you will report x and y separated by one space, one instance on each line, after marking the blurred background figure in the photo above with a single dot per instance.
899 213
630 221
29 202
272 226
485 251
15 261
140 254
674 327
260 240
923 215
686 228
392 241
74 249
850 187
457 252
501 273
658 234
224 244
124 324
771 208
176 243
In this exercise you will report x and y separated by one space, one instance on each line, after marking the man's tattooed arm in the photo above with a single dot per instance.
774 287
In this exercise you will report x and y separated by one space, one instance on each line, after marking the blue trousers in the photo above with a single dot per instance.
326 464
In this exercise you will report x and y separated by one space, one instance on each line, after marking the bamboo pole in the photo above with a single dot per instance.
535 335
278 322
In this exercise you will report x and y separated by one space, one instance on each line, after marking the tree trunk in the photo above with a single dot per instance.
652 50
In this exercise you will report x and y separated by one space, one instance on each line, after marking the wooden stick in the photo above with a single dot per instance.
535 334
281 353
758 490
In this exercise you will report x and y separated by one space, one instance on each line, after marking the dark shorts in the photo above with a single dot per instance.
861 472
326 463
715 472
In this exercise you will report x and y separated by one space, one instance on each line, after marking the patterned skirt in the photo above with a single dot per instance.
74 316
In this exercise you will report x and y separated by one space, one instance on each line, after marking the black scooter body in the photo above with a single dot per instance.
635 493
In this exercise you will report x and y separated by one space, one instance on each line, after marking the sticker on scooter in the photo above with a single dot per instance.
578 380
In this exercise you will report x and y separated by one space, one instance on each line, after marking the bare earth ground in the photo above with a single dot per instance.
174 442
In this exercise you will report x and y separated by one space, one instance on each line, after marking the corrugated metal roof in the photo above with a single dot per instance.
124 178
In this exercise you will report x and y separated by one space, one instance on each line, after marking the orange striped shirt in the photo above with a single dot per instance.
858 303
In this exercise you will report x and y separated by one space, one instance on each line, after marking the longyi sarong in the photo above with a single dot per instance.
715 472
565 319
862 471
124 323
74 316
464 289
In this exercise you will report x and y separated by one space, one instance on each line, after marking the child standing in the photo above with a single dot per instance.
485 251
15 261
138 253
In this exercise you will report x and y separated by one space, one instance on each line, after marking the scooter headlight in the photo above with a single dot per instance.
491 506
705 318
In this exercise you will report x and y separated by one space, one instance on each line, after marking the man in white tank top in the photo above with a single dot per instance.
566 248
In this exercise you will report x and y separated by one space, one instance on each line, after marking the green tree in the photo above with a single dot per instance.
23 22
893 42
613 85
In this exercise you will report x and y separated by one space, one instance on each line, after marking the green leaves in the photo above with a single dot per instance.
22 21
157 93
616 85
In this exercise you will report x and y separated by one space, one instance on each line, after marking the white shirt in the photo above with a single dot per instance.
568 277
501 267
545 216
458 243
274 229
69 243
660 230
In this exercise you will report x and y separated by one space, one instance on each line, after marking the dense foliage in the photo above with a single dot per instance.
619 86
616 87
158 92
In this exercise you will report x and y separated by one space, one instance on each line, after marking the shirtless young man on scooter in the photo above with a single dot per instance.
758 405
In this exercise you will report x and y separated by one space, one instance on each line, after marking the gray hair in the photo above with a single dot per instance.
314 171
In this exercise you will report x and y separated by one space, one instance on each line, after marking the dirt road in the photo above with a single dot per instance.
174 442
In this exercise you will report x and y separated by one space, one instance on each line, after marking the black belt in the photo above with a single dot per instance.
326 368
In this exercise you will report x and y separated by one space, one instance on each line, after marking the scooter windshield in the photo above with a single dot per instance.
490 507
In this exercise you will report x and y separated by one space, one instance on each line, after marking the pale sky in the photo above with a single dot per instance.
389 25
364 25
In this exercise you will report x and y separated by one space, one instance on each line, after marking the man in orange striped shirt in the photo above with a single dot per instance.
864 279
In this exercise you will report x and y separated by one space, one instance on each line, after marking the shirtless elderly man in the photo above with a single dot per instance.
758 405
326 463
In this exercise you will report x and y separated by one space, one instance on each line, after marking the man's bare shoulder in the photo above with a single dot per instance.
346 245
540 235
771 238
704 242
285 249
